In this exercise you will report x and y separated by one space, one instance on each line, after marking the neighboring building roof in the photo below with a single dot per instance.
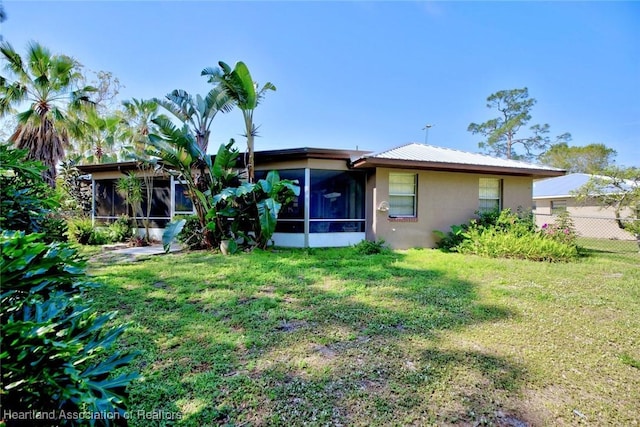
422 156
564 186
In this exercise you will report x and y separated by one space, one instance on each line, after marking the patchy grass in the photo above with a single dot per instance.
627 249
418 337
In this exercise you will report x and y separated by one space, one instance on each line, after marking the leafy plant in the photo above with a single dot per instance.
370 247
171 232
238 85
54 343
25 199
130 188
509 235
450 240
122 229
250 211
495 243
80 230
191 235
562 230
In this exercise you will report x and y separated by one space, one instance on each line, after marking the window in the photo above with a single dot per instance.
402 194
490 194
183 203
109 204
558 206
336 201
291 217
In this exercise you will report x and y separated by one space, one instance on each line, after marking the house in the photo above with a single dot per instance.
555 195
400 195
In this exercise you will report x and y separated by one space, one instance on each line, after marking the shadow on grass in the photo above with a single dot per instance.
306 337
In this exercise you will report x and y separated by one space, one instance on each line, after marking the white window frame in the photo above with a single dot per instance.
414 195
482 197
174 182
558 206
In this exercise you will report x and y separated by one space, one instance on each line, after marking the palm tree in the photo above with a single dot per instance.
139 115
47 84
197 113
99 138
240 87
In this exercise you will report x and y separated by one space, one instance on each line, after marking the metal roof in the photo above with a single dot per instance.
432 157
564 186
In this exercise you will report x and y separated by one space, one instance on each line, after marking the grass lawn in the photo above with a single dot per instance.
417 337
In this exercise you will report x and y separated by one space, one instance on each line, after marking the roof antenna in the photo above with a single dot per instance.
426 134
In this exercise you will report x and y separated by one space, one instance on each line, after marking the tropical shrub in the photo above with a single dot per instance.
54 227
562 230
191 235
73 195
370 247
55 346
510 235
80 230
495 243
122 229
250 212
226 207
26 201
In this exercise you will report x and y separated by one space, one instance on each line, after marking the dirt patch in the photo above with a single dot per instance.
291 325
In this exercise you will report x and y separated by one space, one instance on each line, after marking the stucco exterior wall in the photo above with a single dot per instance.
589 219
304 163
443 199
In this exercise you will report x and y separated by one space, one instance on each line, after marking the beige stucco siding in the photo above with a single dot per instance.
305 163
589 219
443 199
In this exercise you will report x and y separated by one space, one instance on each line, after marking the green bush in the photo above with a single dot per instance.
55 228
192 235
495 243
100 236
562 230
369 247
26 201
81 230
122 229
54 345
509 235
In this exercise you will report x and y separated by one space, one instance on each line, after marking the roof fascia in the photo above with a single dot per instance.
453 167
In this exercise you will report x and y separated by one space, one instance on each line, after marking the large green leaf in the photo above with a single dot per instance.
242 76
171 233
225 159
268 210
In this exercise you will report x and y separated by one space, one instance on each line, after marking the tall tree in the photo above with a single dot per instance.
502 133
98 137
47 84
247 94
139 115
591 159
197 112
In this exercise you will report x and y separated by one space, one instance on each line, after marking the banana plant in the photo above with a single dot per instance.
250 211
239 86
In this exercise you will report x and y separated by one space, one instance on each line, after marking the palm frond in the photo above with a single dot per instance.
14 60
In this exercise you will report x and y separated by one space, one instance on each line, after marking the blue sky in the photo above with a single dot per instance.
367 74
